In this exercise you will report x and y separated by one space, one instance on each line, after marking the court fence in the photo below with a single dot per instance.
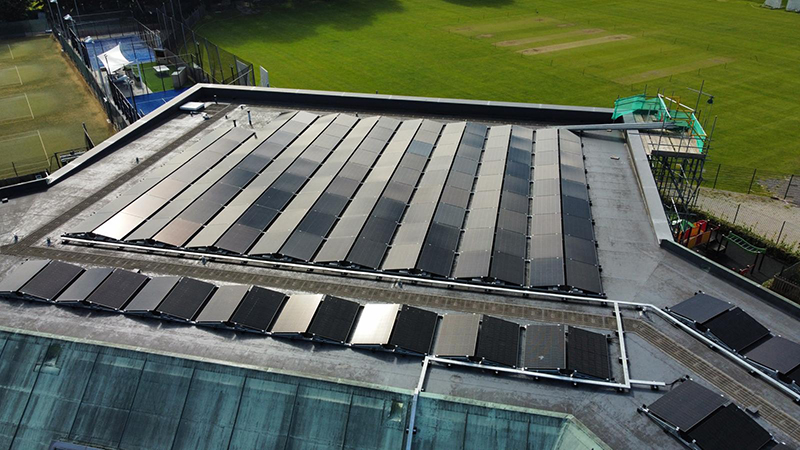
26 169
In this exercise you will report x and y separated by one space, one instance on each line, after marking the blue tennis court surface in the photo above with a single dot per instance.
148 103
134 49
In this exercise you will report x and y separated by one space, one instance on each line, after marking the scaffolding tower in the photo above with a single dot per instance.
676 153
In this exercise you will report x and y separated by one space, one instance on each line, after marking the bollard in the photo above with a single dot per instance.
203 260
215 99
48 242
249 118
137 160
16 238
234 122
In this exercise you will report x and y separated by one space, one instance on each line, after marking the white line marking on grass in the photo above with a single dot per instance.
22 135
9 51
18 75
43 147
29 104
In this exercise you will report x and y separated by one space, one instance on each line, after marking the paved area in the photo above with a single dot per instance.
635 269
773 219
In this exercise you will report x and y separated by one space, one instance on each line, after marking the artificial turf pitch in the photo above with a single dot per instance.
43 102
546 51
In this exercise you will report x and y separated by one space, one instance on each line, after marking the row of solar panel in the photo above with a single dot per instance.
398 327
706 420
742 334
376 193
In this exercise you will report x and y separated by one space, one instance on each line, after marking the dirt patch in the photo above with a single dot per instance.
576 44
548 37
674 70
565 25
484 36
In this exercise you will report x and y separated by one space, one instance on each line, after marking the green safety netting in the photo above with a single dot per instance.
656 108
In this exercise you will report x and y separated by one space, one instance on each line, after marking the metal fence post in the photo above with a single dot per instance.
719 166
737 213
778 241
751 181
13 166
788 186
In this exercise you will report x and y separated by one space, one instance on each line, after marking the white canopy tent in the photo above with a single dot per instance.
113 60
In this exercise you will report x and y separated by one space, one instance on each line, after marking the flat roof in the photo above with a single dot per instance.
635 267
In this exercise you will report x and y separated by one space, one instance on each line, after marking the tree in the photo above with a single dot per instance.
11 10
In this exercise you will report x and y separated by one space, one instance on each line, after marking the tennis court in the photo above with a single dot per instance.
134 49
148 103
43 104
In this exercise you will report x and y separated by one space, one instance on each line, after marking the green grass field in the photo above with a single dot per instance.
547 51
43 101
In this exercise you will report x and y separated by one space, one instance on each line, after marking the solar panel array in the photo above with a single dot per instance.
743 335
706 420
459 200
402 328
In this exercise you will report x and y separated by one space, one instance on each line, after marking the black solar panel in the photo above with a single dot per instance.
686 405
737 329
334 319
115 292
151 294
258 309
238 238
317 223
301 245
587 353
777 353
730 428
186 299
452 216
378 229
701 308
436 260
414 330
582 250
576 207
86 283
578 227
508 268
545 347
51 280
257 217
17 278
367 253
546 272
330 204
498 342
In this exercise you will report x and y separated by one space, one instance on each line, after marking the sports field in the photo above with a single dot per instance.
545 51
43 101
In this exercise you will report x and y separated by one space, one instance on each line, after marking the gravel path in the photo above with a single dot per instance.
764 215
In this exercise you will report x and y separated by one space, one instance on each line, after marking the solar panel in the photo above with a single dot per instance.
777 353
508 268
701 308
186 299
375 324
334 319
367 253
545 347
238 239
737 329
687 405
436 260
498 342
221 306
578 227
414 330
258 309
151 295
587 353
728 428
86 283
115 292
51 280
458 336
297 314
546 272
17 278
582 250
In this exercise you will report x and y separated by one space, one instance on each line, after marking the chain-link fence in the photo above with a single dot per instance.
785 186
19 170
778 224
214 64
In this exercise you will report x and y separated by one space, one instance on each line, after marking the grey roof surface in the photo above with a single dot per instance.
635 269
